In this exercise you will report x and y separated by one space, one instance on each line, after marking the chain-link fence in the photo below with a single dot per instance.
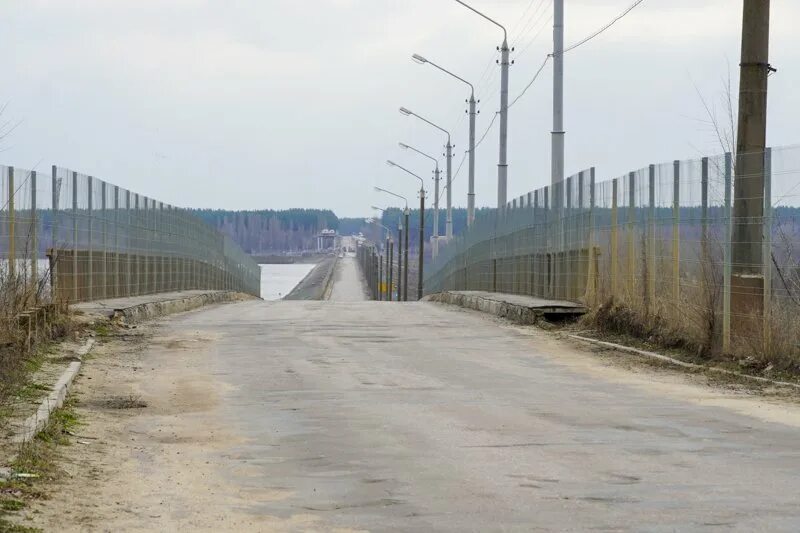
71 237
662 240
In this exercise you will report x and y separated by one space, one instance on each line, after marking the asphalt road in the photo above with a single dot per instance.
417 417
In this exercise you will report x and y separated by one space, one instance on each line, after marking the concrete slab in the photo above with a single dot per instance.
518 308
148 306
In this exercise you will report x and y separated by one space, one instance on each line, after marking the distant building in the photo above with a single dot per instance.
326 240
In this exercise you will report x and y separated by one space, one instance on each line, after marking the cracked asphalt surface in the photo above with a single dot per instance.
353 415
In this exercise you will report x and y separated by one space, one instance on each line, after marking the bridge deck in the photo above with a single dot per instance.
297 415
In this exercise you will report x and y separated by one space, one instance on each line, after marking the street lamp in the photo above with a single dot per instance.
448 231
502 164
421 224
388 253
402 265
435 196
472 113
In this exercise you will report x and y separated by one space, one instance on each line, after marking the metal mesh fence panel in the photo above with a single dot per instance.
664 241
72 237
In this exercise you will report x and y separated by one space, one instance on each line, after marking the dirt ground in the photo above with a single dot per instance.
132 460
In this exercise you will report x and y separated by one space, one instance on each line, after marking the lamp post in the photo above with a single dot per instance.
472 113
421 226
435 196
557 135
502 164
448 229
387 255
402 269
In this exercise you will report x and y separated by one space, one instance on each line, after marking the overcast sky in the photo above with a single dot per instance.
288 103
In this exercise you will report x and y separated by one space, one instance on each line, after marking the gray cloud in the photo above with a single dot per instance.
279 103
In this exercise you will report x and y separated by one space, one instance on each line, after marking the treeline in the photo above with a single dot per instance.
391 217
269 231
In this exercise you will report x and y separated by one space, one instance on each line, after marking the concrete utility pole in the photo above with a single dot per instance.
400 260
449 154
390 267
405 256
402 277
448 227
747 280
471 194
421 240
502 165
471 191
557 155
437 177
421 227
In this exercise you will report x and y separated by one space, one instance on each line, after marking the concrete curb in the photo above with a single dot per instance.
328 283
684 364
37 421
150 310
515 313
518 314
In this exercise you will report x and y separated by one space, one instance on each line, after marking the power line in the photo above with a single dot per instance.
485 133
535 76
457 170
547 58
604 28
576 45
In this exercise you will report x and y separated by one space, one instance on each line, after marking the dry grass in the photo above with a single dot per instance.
17 358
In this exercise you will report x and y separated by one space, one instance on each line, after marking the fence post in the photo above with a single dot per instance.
162 274
12 232
90 252
704 213
54 232
137 231
75 237
767 250
631 239
650 253
130 247
547 269
537 245
104 210
676 231
592 274
614 239
116 241
727 270
34 239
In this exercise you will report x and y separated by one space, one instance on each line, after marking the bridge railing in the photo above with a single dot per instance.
659 240
73 237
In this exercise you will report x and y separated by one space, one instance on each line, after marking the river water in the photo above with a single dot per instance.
278 280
